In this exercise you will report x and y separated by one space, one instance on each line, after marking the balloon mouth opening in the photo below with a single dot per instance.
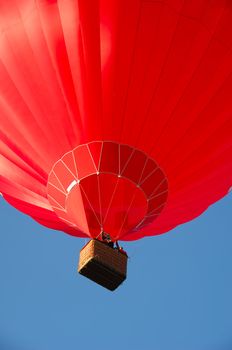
107 186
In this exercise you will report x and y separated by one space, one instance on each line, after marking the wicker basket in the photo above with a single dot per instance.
103 264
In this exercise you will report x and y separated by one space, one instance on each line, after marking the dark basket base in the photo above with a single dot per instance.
102 274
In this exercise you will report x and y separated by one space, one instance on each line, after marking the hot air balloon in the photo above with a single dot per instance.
115 116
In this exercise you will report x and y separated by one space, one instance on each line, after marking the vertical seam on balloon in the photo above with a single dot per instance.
140 178
28 41
82 189
57 75
99 161
118 150
99 199
71 116
111 200
187 85
126 214
91 156
74 161
82 60
84 51
128 160
119 159
141 88
131 69
146 115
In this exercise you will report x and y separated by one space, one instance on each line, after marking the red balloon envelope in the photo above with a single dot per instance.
115 115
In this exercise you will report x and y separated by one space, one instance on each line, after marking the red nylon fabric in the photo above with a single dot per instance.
155 75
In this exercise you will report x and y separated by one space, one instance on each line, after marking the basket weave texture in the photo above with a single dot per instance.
103 264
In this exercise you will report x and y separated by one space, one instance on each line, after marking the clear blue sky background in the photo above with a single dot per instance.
178 295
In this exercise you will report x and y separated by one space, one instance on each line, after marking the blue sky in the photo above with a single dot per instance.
178 295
